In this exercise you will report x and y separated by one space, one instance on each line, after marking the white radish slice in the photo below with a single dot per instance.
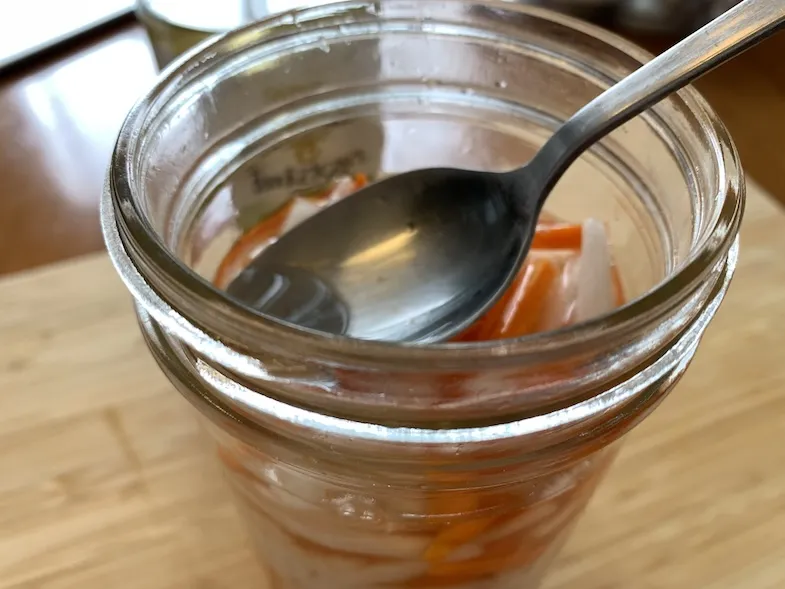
560 309
324 529
315 569
302 209
319 523
343 188
595 278
529 518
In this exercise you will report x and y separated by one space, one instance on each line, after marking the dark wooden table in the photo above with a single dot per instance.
58 122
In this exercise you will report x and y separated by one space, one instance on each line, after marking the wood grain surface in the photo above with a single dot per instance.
59 119
107 482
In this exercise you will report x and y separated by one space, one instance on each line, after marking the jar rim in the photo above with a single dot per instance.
157 277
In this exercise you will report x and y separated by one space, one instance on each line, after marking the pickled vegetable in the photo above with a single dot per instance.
315 535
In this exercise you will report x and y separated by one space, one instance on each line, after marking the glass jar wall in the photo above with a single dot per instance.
358 464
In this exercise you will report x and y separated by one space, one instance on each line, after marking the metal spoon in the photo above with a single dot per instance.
419 256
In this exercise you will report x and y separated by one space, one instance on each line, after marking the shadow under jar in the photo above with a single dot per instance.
362 465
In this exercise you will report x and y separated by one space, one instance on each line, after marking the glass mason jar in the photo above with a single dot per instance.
363 464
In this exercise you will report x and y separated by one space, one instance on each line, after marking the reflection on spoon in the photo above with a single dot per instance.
293 295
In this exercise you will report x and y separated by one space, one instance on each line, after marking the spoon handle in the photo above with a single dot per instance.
724 38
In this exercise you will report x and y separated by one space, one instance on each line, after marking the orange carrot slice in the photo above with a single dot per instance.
618 287
519 311
360 181
525 308
455 536
493 318
249 245
557 236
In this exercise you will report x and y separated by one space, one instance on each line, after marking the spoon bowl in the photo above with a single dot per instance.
399 234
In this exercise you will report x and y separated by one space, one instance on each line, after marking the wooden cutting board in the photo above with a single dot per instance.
106 481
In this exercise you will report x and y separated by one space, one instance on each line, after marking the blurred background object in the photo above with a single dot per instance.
176 25
669 16
60 110
28 28
644 16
